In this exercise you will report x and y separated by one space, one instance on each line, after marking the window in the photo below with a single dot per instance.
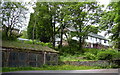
87 37
100 40
91 38
104 41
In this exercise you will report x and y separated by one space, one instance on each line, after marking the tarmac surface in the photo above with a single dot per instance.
67 72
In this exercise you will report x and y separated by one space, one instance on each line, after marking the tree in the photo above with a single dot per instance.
111 22
83 15
12 17
42 20
46 18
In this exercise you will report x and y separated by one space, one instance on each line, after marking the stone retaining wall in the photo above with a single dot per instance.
89 63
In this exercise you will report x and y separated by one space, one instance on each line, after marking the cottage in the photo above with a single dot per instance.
24 55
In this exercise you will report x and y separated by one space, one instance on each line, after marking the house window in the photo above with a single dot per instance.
87 37
100 40
91 38
104 41
96 39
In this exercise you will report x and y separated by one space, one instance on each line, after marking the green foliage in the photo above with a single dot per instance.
22 45
10 20
107 54
24 34
59 67
91 50
29 42
69 50
90 56
116 56
103 54
40 24
38 43
110 21
13 36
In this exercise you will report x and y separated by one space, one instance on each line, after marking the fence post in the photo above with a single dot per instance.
44 58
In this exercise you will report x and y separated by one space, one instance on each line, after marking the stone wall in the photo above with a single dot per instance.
22 58
87 63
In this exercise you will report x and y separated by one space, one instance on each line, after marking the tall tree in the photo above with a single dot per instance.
42 20
80 15
83 15
12 17
111 22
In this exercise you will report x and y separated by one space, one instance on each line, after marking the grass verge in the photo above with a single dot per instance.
59 67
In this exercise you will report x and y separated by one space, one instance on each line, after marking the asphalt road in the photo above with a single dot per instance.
66 72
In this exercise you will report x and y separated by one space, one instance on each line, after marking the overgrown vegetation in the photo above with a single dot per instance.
42 27
103 54
26 45
59 67
36 42
92 54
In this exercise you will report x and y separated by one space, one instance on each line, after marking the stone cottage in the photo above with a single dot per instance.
25 55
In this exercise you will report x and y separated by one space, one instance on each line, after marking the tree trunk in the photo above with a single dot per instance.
61 36
33 33
53 33
80 37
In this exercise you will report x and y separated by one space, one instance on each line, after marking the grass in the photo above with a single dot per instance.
59 67
22 45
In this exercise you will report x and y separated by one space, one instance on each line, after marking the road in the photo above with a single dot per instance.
66 72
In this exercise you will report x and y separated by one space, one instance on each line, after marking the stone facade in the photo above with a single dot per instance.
90 63
15 57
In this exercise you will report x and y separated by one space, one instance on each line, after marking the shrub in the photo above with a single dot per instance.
38 43
106 55
91 50
29 42
12 37
117 56
90 56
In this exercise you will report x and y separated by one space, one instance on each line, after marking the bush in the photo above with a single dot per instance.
97 54
90 56
91 50
38 43
116 56
106 55
12 37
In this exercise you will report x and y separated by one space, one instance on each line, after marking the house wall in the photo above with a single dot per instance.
99 43
91 42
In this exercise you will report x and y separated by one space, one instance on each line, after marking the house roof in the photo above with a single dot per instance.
97 36
71 29
22 39
90 34
24 46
